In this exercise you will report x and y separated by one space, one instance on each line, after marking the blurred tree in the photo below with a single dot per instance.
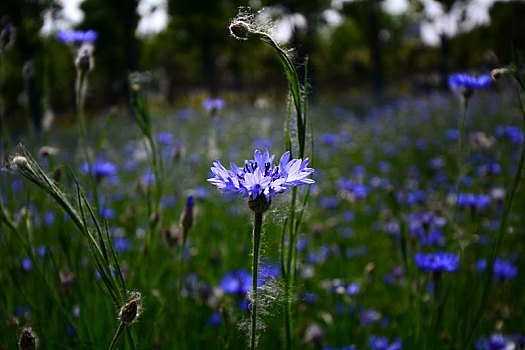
27 16
204 25
368 16
452 10
116 52
304 38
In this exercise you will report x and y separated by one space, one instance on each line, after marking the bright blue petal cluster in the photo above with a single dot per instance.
77 36
465 81
260 176
437 261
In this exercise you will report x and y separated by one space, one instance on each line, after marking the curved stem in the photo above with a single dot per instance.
257 227
118 333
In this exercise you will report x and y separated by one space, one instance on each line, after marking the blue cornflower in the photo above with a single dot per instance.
381 343
213 104
495 342
236 282
77 36
437 261
260 176
101 168
466 84
164 138
353 288
504 269
474 200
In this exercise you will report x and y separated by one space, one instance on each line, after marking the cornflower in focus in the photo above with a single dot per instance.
261 178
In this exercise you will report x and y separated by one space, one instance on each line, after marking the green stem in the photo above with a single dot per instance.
257 227
80 87
118 333
460 156
502 228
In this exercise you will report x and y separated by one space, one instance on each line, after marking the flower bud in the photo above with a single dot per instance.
186 220
239 30
84 60
497 73
20 162
28 340
128 313
7 36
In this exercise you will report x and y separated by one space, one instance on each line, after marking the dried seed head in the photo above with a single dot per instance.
497 73
20 162
239 30
128 313
28 339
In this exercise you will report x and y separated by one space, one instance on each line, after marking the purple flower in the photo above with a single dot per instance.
164 138
101 168
381 343
495 342
437 261
353 288
260 176
77 36
465 83
504 269
213 104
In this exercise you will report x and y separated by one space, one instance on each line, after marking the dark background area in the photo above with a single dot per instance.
371 52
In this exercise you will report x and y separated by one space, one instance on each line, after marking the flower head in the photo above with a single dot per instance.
77 36
465 84
382 343
261 176
437 261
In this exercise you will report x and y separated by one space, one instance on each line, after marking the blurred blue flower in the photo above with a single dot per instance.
77 36
214 320
504 269
452 134
472 200
213 104
122 244
437 261
495 342
382 343
463 81
49 217
101 168
353 288
513 133
165 138
27 264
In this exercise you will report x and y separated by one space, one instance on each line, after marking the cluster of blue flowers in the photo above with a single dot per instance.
260 176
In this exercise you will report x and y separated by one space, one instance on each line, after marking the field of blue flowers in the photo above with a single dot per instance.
403 230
